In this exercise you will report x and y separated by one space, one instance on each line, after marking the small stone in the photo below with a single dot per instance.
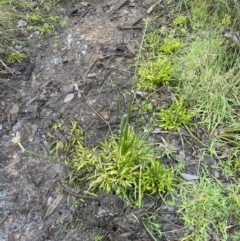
56 60
68 98
189 177
17 127
21 23
35 35
49 201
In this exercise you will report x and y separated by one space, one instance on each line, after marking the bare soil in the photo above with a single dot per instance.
71 75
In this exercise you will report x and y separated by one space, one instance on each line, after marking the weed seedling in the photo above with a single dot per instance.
36 18
54 18
175 116
170 45
46 28
180 21
63 23
98 238
16 56
154 73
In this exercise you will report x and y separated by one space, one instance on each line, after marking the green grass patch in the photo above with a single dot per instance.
10 12
209 78
153 73
46 28
205 76
175 116
126 166
36 18
16 56
208 208
170 45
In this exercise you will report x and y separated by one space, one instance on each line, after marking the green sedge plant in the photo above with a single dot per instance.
127 167
16 56
180 21
170 45
175 116
123 164
153 73
155 66
36 18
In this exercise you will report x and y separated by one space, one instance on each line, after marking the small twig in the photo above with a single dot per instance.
3 220
129 27
7 68
67 189
91 123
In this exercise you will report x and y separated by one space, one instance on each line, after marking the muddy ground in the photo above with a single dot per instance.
72 75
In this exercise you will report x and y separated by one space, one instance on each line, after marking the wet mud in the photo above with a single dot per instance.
71 75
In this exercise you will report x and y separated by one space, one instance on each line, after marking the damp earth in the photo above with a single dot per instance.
71 75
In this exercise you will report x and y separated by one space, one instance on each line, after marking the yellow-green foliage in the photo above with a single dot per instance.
156 41
16 57
154 73
127 167
155 67
46 28
36 18
175 116
54 18
152 41
180 21
170 45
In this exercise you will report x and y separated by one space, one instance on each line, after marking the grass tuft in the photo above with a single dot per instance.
209 79
154 73
207 208
127 167
16 56
175 116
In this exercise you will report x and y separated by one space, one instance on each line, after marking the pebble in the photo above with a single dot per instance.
21 23
17 127
189 177
68 98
